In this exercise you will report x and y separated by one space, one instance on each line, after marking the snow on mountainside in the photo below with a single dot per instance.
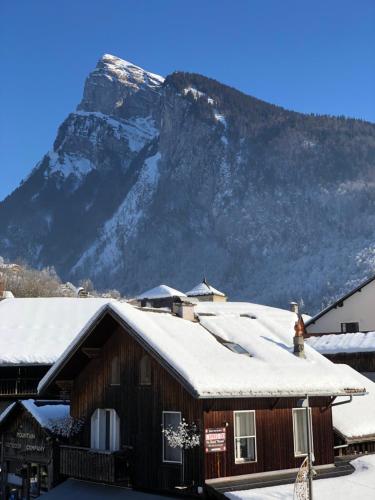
165 180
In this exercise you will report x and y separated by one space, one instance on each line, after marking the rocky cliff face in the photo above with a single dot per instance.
155 180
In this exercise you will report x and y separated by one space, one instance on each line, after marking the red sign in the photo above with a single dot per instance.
215 439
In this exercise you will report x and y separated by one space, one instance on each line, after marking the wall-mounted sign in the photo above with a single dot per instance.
215 439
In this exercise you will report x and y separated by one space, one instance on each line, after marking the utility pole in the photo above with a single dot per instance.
309 450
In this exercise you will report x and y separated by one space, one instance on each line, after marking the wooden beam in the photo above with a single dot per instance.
91 352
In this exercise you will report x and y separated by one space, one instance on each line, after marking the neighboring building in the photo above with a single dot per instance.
30 433
354 423
353 312
232 372
33 334
344 332
160 296
205 292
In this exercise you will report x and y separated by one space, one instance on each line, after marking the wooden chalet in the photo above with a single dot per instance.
33 334
232 373
30 432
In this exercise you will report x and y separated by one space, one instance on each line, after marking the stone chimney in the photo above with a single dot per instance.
184 308
294 307
298 339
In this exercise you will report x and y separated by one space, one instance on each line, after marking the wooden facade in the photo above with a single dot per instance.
140 408
29 456
21 381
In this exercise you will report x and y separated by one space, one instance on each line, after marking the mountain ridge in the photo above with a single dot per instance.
155 179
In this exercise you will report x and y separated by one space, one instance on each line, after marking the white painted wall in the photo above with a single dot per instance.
360 308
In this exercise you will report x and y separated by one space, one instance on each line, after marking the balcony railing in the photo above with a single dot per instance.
94 465
18 387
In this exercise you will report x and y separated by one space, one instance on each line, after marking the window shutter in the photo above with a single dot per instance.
115 431
94 434
102 429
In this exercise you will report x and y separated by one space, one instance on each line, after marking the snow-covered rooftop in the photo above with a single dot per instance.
38 330
343 343
355 421
196 351
49 415
160 292
204 289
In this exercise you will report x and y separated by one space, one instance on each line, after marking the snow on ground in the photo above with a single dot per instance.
359 485
347 342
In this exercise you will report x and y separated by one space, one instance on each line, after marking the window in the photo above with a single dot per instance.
244 436
145 370
349 327
300 432
115 371
105 430
171 419
237 348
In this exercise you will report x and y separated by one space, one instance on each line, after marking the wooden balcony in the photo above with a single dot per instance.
18 386
94 465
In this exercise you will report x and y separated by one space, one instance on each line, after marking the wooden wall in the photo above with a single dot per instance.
140 409
360 361
274 435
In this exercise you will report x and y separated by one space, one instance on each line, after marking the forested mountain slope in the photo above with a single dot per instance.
154 180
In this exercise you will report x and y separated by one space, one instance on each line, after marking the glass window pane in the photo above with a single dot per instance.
244 424
300 432
171 420
245 449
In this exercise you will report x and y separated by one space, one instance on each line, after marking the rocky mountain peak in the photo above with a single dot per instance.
163 181
113 81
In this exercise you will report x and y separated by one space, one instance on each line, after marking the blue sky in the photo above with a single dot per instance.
311 56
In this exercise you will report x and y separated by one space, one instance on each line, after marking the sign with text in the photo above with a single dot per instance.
215 439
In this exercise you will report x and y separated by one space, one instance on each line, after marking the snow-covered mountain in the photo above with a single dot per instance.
165 180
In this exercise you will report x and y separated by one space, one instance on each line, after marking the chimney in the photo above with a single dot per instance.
184 307
298 339
294 307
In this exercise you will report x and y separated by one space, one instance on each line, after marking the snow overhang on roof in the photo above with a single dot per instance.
37 330
355 421
343 343
192 353
160 292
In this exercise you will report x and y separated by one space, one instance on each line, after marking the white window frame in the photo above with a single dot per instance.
115 359
344 327
242 460
164 438
114 430
295 433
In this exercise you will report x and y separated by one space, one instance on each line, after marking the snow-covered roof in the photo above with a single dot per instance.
38 330
355 421
48 414
193 352
343 343
160 292
204 289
